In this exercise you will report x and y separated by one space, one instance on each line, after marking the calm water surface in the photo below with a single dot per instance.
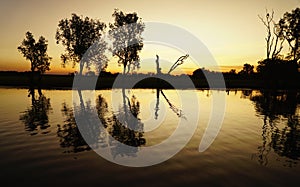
258 144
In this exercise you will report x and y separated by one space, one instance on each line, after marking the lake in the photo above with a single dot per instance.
41 143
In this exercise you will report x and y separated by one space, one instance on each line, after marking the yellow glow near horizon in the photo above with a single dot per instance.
230 29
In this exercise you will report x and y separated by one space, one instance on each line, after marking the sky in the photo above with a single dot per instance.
231 29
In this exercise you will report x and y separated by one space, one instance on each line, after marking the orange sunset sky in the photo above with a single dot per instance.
231 29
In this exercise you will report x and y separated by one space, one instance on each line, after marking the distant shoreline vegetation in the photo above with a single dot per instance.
107 79
277 70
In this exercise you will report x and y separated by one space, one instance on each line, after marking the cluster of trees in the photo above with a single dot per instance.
78 34
275 66
286 30
248 70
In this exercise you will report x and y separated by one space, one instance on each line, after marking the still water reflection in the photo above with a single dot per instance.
35 117
68 133
280 129
259 140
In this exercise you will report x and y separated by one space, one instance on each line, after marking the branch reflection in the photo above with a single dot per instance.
280 130
123 126
68 133
126 127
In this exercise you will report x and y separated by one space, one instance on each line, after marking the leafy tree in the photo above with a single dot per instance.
290 23
201 73
247 69
127 40
232 71
77 35
277 69
36 53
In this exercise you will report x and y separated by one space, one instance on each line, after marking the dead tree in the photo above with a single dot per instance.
274 31
175 109
179 62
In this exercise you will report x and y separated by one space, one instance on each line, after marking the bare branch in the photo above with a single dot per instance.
269 39
278 35
179 61
262 20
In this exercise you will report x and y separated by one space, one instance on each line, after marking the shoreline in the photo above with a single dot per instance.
65 82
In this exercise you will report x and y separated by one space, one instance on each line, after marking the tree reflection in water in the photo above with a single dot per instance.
124 126
281 130
174 109
35 118
68 133
129 131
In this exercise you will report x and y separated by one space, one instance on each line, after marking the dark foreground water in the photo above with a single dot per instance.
258 144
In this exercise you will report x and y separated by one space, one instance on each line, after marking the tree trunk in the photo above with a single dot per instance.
81 68
124 67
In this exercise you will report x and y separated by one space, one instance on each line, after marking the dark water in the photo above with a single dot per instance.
258 144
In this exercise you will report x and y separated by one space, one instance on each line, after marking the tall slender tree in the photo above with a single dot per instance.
274 39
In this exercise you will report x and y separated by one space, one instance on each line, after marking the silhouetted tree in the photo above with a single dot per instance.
290 24
247 69
232 74
272 29
176 110
232 71
126 34
199 73
158 69
277 69
77 35
37 115
36 53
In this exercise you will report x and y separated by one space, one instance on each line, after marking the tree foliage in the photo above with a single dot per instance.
290 23
35 52
278 69
247 69
278 66
77 35
127 40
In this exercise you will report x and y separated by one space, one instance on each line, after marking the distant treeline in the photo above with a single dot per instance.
107 79
83 40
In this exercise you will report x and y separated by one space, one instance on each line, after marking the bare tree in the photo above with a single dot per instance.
278 32
274 32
